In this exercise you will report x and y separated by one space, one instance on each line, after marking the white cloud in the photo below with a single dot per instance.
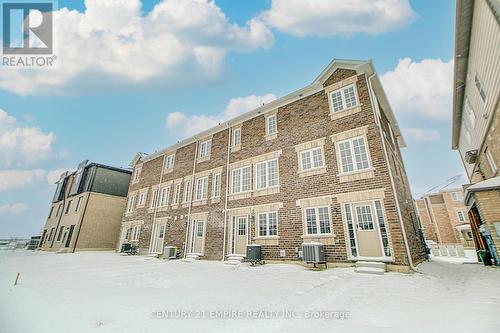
421 135
12 179
337 17
422 88
179 41
15 208
21 144
188 125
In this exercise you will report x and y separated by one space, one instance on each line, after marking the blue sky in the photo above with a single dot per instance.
185 67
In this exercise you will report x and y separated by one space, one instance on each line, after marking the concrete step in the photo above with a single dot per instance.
63 250
187 260
193 256
232 262
235 258
370 264
369 270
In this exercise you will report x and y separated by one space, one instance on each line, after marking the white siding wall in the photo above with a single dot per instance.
484 59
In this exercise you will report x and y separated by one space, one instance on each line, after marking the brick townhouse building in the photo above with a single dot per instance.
86 210
322 164
444 219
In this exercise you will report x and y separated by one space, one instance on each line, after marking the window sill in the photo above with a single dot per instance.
169 170
271 136
203 159
267 240
200 202
215 200
325 239
266 191
347 112
267 237
312 172
356 175
239 196
162 209
235 148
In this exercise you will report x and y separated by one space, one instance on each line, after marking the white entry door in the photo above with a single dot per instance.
197 237
239 239
158 237
367 230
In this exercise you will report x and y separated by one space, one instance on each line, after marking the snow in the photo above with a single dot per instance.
107 292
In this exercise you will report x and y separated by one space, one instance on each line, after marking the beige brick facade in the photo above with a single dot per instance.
305 123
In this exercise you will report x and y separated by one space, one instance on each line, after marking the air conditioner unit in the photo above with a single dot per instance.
313 253
169 252
471 156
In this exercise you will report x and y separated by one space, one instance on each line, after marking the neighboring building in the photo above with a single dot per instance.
444 217
476 115
87 208
321 164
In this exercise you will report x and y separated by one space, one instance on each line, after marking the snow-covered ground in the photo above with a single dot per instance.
106 292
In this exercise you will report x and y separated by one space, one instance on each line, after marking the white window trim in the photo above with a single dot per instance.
233 135
312 159
136 232
79 204
344 107
145 193
209 149
136 177
177 194
187 191
459 198
216 188
257 188
131 204
464 216
267 225
241 179
154 199
318 224
355 165
161 202
169 162
275 116
203 180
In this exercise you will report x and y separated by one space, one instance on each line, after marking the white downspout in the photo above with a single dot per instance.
400 217
191 198
226 194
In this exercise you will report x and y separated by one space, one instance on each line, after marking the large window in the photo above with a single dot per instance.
365 217
204 149
137 174
78 204
177 194
217 185
136 230
353 155
236 137
154 199
242 180
343 98
131 204
312 159
268 224
164 196
271 124
169 162
266 174
201 188
142 198
317 220
59 235
187 191
68 207
462 216
456 196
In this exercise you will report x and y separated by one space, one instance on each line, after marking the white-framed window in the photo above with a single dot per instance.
456 196
317 220
59 209
59 235
491 161
204 149
142 198
68 207
271 124
154 198
169 162
469 113
78 204
164 196
136 230
51 211
187 191
201 188
217 185
242 179
266 174
462 216
236 137
131 204
343 98
268 224
200 225
480 88
364 217
311 159
137 174
353 155
177 194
